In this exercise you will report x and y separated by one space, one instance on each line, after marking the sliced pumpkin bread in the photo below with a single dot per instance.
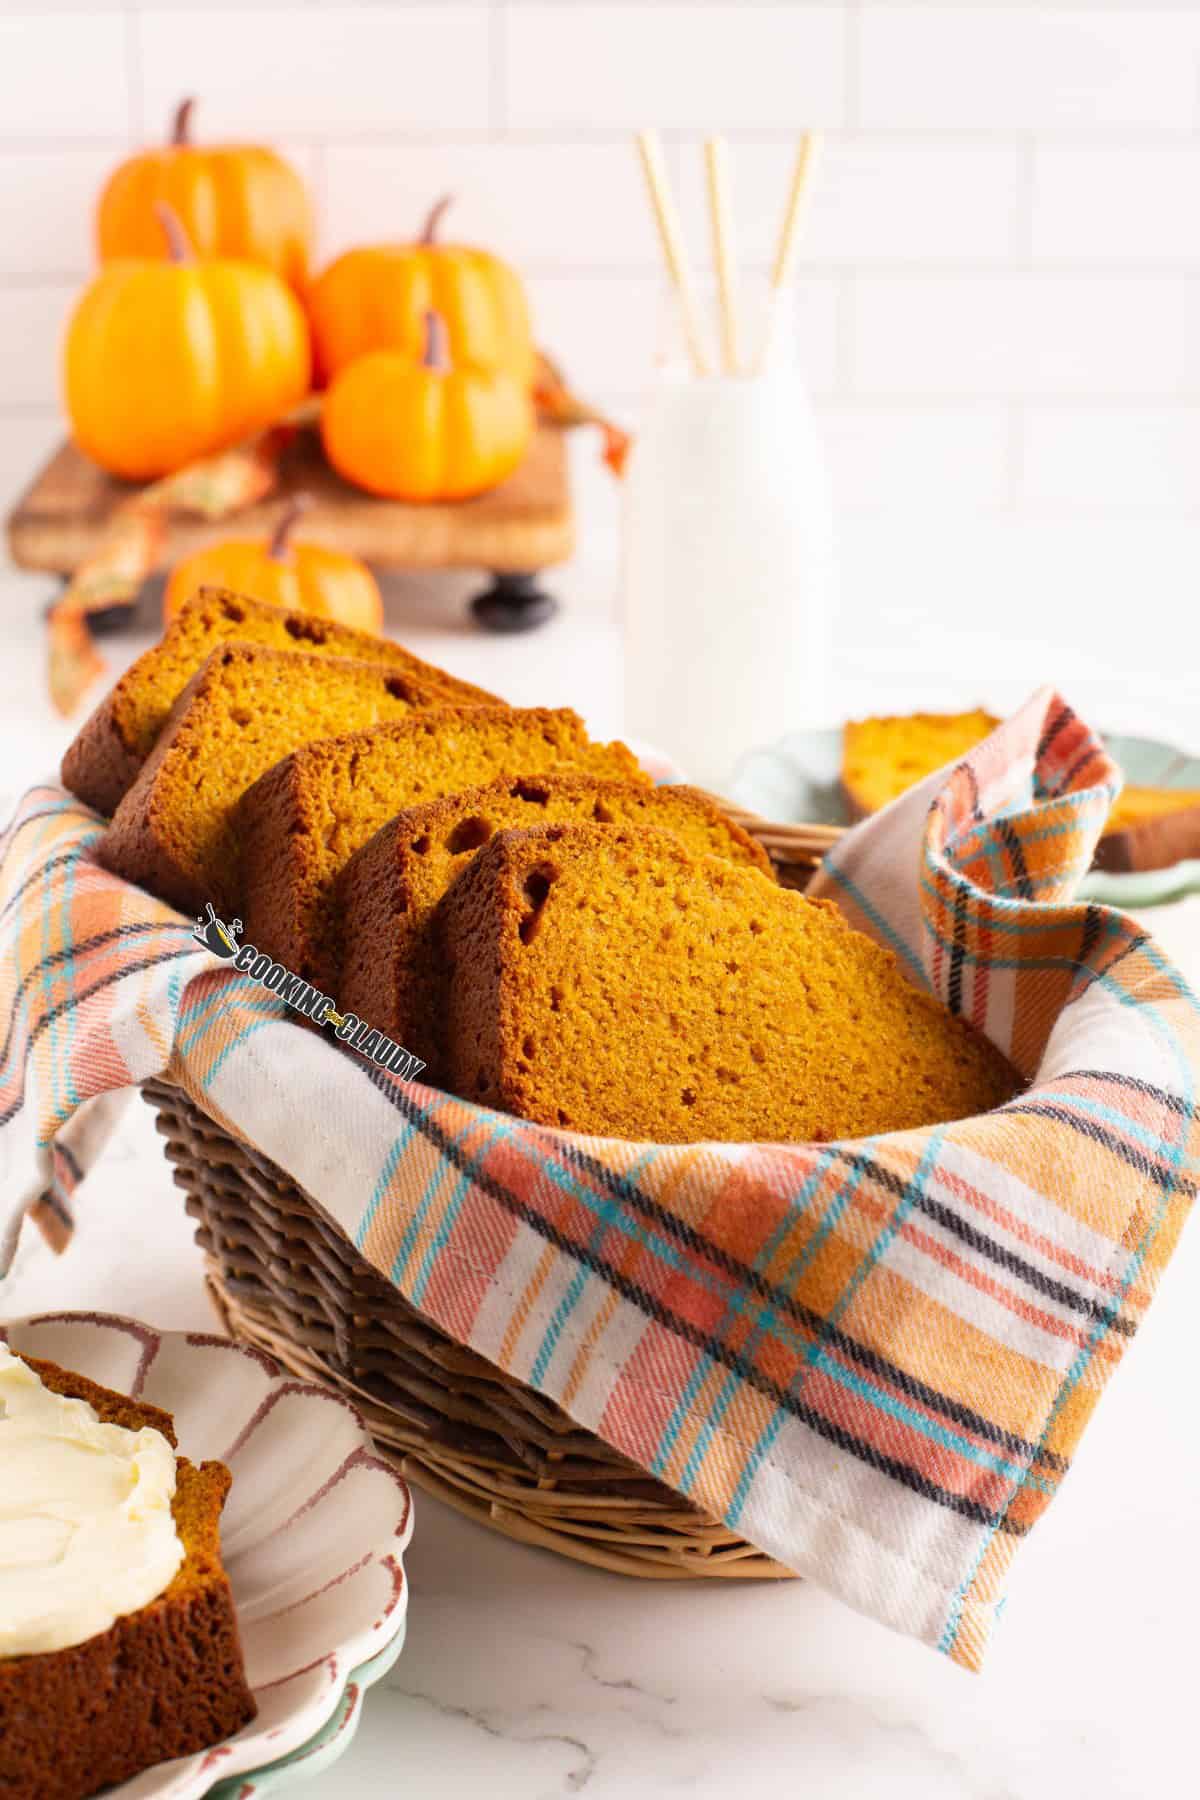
244 708
609 980
161 1682
102 763
1150 828
304 820
391 973
883 757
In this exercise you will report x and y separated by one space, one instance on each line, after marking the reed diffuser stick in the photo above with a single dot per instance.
670 235
789 237
716 162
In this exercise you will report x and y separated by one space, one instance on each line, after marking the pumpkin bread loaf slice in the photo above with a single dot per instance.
161 1682
392 974
884 757
244 709
102 763
1150 828
610 981
303 821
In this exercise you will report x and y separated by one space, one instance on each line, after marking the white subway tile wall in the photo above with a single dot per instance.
999 289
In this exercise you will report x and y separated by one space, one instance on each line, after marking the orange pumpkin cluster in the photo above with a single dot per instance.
202 327
429 356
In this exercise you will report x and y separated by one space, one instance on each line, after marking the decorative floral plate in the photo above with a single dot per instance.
798 780
332 1741
313 1536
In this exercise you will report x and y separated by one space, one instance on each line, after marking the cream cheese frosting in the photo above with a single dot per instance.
86 1531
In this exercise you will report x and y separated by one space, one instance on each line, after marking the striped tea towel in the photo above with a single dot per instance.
874 1359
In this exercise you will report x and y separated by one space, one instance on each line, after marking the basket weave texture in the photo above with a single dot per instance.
285 1278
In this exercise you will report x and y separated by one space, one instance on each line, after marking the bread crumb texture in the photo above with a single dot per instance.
883 757
103 761
246 707
309 815
214 616
610 981
392 971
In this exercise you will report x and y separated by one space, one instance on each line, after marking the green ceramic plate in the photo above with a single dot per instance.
326 1745
798 780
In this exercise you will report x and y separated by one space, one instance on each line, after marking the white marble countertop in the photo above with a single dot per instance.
525 1677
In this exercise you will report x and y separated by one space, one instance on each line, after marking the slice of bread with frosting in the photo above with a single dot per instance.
164 1681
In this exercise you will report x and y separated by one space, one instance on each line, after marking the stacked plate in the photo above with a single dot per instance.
313 1537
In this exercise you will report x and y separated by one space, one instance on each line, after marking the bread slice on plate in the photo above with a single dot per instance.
883 757
1150 828
243 709
102 763
392 973
303 821
609 980
161 1682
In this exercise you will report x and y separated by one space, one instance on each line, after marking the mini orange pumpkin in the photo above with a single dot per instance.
425 430
168 361
238 200
304 577
376 298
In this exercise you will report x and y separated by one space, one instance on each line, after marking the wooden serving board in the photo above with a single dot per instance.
524 525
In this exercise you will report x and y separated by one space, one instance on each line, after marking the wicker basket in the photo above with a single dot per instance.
288 1280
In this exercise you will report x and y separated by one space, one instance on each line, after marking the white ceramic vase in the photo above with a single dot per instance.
729 568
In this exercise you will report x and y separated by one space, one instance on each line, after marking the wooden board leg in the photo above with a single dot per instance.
513 603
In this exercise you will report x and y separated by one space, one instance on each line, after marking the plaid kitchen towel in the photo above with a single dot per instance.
874 1359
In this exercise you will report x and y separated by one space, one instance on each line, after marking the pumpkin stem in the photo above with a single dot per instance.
178 243
280 544
433 223
181 124
437 346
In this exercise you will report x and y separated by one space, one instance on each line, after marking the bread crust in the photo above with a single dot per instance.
98 767
392 971
1156 843
162 1682
132 847
140 843
278 869
113 1408
102 763
303 820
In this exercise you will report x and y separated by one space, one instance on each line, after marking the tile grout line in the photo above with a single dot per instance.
953 138
842 268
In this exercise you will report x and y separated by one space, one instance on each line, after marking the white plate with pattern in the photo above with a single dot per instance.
313 1537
